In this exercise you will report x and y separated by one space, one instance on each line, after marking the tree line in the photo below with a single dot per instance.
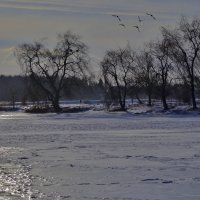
22 89
166 67
171 61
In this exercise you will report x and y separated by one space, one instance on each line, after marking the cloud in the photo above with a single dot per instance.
125 7
53 6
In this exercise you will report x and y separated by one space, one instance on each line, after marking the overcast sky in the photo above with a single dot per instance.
28 20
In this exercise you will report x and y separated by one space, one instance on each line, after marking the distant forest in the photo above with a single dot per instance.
23 89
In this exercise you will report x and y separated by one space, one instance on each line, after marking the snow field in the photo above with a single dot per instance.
100 155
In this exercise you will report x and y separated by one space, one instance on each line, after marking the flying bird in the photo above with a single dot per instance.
123 25
117 16
140 20
151 15
137 27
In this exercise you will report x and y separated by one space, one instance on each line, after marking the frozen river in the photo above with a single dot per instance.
99 156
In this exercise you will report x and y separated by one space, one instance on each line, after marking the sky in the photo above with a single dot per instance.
28 21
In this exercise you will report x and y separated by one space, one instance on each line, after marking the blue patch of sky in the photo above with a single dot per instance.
6 43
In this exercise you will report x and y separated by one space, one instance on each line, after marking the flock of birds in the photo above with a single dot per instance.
139 19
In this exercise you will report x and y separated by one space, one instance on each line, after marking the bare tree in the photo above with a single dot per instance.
160 50
185 48
117 69
49 67
145 74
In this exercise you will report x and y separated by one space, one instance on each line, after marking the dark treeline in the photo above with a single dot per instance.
23 89
12 87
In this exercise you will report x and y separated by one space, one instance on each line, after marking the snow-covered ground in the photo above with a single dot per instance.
97 155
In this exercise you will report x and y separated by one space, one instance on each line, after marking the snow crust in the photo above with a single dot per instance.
96 155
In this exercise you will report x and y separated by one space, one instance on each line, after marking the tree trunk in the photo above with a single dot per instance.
163 97
122 105
124 98
55 104
164 101
194 104
149 97
121 101
149 100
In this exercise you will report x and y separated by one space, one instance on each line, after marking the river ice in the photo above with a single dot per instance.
99 156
